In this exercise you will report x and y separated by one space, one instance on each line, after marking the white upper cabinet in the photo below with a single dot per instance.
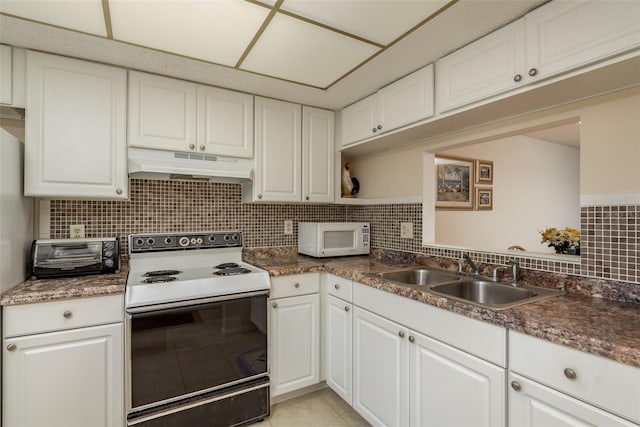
486 67
278 158
405 101
75 136
317 155
566 34
176 115
5 74
225 122
162 112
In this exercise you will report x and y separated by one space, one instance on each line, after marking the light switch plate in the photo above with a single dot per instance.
288 227
406 230
76 231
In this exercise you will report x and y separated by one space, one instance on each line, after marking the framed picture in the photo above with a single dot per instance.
484 199
454 182
484 172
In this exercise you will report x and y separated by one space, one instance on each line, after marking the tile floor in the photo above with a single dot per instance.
320 408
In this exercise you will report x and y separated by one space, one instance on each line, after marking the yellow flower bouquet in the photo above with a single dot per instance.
564 241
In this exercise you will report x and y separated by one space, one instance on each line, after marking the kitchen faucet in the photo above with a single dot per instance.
467 258
515 265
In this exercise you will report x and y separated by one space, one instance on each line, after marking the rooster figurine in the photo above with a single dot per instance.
350 185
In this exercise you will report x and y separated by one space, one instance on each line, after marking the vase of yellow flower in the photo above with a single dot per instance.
564 241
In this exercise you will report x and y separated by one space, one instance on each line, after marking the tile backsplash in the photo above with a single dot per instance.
610 235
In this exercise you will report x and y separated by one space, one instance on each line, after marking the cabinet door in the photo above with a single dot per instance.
278 157
317 155
566 34
489 66
225 122
534 405
162 113
440 375
359 121
6 81
75 129
295 342
380 370
72 378
338 355
408 100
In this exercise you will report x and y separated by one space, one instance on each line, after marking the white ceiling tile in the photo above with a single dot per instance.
216 31
294 50
374 20
79 15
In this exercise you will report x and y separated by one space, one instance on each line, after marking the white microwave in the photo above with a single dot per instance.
329 239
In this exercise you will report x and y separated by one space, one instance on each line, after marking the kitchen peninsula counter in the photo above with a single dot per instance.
63 288
602 327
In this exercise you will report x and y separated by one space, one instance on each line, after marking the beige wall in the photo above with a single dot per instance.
610 148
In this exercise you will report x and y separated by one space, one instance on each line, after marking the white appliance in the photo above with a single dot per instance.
330 239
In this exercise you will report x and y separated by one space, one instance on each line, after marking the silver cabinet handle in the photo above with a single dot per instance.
570 373
401 334
517 78
297 285
346 308
11 347
202 148
192 146
118 190
274 305
67 314
411 339
336 286
516 385
533 72
259 196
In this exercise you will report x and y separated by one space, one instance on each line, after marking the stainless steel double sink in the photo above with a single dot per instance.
480 292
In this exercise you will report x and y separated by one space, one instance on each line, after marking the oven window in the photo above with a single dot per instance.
343 239
180 351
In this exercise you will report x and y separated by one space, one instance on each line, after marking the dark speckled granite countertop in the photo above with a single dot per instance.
594 325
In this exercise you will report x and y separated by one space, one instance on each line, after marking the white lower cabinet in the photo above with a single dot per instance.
338 351
534 405
294 343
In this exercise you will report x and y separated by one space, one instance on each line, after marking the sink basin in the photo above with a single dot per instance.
492 295
419 276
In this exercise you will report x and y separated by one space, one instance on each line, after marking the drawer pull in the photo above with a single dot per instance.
346 308
533 72
297 285
67 314
411 339
336 286
401 334
570 373
516 385
11 347
274 305
517 78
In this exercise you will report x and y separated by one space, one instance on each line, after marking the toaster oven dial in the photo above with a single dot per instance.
108 254
108 245
108 262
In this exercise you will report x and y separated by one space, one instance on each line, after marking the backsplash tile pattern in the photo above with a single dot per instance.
610 242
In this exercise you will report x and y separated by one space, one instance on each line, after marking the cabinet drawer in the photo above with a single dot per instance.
339 287
602 382
294 285
60 315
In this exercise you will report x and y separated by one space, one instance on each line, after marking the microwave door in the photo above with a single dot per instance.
336 242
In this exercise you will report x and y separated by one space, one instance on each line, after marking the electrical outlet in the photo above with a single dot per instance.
76 231
288 227
406 230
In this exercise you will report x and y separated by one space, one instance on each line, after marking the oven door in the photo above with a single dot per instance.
181 350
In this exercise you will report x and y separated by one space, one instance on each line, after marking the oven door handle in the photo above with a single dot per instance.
192 302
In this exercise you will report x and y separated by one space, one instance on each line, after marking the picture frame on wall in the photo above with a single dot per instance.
454 182
484 172
484 199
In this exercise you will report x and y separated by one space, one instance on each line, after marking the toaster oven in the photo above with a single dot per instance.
74 257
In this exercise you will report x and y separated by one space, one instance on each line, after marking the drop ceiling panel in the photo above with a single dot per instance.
374 20
86 16
217 31
294 50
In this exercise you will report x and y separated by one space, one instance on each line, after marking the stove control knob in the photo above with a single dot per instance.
151 241
168 241
212 238
227 237
194 240
139 242
236 237
184 241
199 241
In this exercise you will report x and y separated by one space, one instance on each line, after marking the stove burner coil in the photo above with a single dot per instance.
232 271
161 273
227 265
159 279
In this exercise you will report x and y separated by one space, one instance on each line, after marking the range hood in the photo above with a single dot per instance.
160 164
